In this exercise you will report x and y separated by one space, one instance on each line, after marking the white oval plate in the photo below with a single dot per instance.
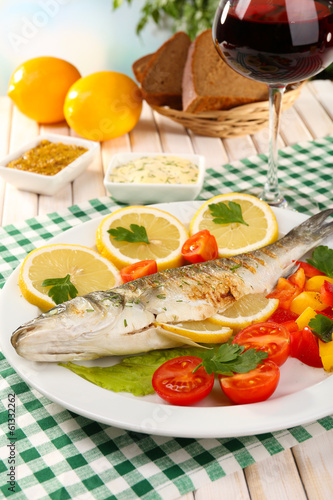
303 394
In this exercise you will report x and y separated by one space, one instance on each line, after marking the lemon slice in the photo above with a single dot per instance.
235 238
88 272
252 308
199 331
166 235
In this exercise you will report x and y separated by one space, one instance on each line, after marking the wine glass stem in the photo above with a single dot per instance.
271 193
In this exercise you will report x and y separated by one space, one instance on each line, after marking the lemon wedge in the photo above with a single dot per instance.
233 238
88 272
199 331
165 233
252 308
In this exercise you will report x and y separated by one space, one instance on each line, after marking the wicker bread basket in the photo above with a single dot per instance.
241 120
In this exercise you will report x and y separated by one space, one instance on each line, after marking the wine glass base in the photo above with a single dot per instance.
280 202
290 199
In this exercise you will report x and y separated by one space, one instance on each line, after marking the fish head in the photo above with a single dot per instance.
72 330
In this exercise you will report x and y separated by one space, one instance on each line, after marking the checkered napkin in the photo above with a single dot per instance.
53 453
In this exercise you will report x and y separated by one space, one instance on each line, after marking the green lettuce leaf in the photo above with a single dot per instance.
133 374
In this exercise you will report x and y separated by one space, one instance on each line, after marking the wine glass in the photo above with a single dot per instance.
276 42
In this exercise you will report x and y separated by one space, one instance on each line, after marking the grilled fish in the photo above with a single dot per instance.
122 320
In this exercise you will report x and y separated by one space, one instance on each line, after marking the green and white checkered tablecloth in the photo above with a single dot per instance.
57 454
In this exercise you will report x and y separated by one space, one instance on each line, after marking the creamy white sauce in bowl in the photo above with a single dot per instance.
158 169
142 178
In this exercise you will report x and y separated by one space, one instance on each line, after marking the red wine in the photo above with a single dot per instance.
280 43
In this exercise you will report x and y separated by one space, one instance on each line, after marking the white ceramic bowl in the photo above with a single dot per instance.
48 184
140 193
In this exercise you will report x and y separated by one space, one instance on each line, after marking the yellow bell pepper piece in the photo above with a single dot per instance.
307 299
314 284
304 319
326 354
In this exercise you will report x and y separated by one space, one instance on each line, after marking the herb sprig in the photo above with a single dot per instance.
62 289
231 358
136 234
322 259
227 213
322 327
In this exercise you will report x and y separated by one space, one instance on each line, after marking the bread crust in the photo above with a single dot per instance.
209 84
193 77
162 78
139 66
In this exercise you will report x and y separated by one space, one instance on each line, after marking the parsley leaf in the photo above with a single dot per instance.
231 358
322 259
61 289
227 213
136 234
322 327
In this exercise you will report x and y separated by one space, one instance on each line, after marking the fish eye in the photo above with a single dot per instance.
54 311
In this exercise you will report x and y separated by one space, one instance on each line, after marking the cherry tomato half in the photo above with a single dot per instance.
200 247
268 337
138 270
252 387
175 382
304 346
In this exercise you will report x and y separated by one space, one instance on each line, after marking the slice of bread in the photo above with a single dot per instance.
161 81
140 65
210 84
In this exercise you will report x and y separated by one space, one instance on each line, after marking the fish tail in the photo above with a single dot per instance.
316 228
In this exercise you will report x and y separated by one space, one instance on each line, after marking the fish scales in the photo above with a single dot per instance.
123 320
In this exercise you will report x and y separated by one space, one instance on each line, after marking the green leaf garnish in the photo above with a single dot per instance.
136 234
322 259
61 289
231 358
133 374
322 327
224 213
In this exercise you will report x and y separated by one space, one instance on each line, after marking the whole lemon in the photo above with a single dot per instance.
39 86
103 105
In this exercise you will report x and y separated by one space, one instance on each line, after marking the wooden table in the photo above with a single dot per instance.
305 471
